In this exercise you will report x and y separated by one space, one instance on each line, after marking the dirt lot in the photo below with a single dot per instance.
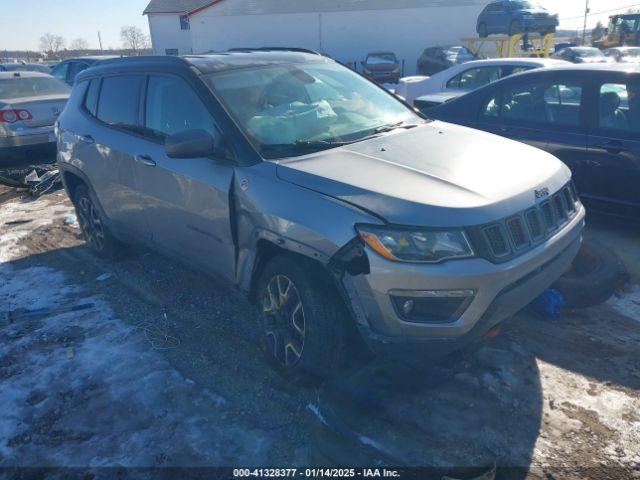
162 367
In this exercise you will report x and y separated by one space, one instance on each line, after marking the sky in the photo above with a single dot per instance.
23 22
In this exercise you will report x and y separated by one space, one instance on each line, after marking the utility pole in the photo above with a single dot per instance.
100 40
584 30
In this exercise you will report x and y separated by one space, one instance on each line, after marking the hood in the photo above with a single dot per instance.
538 12
438 175
592 60
441 97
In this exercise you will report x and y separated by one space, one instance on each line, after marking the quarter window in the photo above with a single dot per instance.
173 107
91 100
556 103
475 78
119 100
619 107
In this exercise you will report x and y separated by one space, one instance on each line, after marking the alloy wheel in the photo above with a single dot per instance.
283 320
91 224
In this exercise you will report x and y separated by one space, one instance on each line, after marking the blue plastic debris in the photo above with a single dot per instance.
549 304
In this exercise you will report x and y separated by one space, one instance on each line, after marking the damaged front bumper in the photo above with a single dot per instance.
409 310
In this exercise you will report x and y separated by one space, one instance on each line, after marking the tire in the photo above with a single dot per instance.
596 274
93 227
515 28
482 30
305 324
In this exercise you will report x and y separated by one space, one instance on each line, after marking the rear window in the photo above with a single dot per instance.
119 101
19 87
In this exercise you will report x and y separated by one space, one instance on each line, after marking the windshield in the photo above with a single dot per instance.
525 5
589 52
381 58
286 109
18 87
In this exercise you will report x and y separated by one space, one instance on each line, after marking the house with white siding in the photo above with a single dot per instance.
344 29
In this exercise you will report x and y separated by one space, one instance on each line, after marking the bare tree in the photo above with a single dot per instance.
79 44
133 38
51 43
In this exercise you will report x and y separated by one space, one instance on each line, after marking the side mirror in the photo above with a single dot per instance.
190 144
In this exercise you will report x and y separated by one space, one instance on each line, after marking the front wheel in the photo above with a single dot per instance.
304 320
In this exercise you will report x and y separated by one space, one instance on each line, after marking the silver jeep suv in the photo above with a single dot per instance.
331 203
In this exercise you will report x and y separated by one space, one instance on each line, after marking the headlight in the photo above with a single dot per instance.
402 244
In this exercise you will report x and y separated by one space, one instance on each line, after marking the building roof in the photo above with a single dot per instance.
261 7
177 6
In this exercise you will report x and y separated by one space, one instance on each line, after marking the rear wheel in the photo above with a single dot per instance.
93 226
304 320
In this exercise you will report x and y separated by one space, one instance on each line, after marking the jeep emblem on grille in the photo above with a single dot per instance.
543 192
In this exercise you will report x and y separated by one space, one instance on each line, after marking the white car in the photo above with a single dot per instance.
469 76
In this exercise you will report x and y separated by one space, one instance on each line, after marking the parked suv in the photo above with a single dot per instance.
515 16
331 203
68 69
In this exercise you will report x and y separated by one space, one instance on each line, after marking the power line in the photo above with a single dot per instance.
603 11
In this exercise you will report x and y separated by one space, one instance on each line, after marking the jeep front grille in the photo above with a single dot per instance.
505 239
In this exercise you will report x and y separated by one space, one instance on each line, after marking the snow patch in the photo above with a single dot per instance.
627 304
113 401
35 214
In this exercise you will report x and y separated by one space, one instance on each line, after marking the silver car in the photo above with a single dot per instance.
30 103
336 208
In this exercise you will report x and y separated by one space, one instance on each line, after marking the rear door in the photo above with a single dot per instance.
109 142
186 200
612 178
544 110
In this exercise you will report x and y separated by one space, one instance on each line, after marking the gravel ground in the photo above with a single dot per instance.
163 368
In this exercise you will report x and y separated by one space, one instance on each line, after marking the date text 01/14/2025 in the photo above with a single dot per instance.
315 473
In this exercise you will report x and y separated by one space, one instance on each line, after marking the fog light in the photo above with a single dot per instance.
431 306
407 307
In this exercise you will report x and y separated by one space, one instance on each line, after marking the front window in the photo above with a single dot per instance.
475 78
288 110
20 87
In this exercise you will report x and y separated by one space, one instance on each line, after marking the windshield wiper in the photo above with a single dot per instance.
393 126
305 145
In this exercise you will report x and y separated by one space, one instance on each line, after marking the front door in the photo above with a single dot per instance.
186 201
613 181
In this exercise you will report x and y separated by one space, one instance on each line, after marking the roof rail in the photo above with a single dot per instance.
276 49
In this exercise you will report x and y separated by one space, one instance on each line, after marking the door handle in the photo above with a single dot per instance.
87 139
612 147
146 160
